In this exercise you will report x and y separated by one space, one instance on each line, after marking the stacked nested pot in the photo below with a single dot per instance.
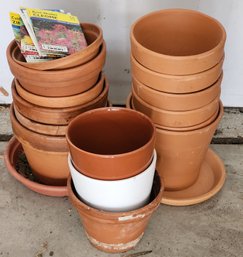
114 186
48 95
176 60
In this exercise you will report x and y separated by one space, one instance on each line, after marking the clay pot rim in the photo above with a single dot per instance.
58 191
97 41
60 98
61 110
176 77
176 57
32 72
121 217
193 131
58 130
167 112
59 140
178 95
105 156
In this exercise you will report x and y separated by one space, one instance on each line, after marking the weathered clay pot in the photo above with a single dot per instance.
53 130
176 119
116 231
58 83
12 155
94 37
176 84
177 41
111 143
56 116
180 154
47 155
201 125
61 102
176 102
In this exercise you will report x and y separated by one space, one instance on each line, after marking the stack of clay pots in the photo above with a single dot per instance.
47 95
112 163
176 58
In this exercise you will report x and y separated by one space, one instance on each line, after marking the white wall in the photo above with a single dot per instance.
116 17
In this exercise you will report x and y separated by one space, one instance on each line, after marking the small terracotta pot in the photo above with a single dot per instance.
94 37
47 155
180 154
114 195
12 155
176 119
174 83
177 41
61 102
58 83
56 116
116 231
53 130
201 125
111 143
177 102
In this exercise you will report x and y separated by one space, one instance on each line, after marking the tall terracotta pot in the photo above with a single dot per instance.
177 41
180 154
116 231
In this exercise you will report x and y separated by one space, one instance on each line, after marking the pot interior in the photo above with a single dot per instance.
178 33
110 131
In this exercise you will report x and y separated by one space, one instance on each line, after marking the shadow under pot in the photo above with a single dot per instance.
194 41
59 82
116 231
176 119
111 143
181 153
94 37
57 116
47 155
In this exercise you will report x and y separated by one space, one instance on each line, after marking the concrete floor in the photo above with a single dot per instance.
32 225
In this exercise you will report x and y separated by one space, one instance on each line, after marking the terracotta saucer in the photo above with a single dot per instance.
11 154
211 179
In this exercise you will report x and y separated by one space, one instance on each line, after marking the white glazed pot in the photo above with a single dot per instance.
115 195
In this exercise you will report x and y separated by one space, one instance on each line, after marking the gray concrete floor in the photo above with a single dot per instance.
32 225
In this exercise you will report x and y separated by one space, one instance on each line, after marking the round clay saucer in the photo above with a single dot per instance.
211 179
11 155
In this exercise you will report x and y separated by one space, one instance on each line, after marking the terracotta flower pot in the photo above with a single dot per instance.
176 119
177 41
116 231
61 102
58 83
114 195
56 116
176 102
12 155
201 125
47 155
94 38
53 130
176 84
111 143
180 154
